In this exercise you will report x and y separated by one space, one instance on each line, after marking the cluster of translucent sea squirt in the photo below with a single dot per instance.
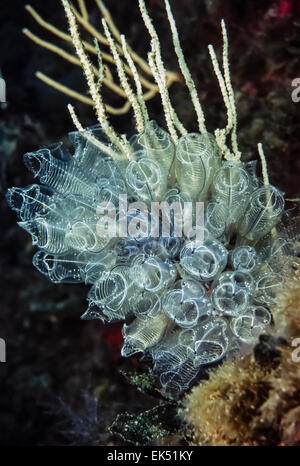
186 304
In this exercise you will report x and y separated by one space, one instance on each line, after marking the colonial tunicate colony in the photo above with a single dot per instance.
187 304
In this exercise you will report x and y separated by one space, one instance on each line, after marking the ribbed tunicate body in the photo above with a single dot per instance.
186 303
197 157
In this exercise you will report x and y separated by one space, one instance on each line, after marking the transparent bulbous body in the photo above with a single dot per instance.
186 302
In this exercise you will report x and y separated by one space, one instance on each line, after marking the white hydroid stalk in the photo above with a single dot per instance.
93 88
185 71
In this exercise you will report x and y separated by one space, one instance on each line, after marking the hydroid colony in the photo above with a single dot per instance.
186 304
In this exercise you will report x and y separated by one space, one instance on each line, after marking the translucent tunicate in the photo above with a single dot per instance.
263 211
204 262
158 146
248 326
231 187
172 361
277 252
152 274
62 176
210 342
197 156
186 303
86 153
216 218
179 377
59 269
231 292
173 208
191 293
49 236
267 288
243 258
114 293
144 333
126 250
145 179
29 202
146 304
83 236
97 264
164 248
139 222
